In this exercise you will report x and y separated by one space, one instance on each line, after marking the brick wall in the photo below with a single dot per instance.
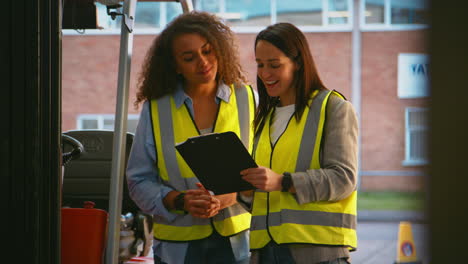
382 118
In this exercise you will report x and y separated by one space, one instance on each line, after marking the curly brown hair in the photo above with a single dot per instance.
159 77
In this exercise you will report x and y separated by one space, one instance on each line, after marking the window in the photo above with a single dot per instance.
242 13
308 13
394 14
416 127
255 13
374 12
338 12
105 122
408 12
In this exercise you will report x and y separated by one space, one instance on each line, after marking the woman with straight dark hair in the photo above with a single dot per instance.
191 84
304 207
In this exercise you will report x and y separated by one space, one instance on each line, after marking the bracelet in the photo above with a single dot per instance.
286 182
179 202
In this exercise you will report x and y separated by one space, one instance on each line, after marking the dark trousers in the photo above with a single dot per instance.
273 253
214 249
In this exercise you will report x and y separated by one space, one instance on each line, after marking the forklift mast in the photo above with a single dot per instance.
121 111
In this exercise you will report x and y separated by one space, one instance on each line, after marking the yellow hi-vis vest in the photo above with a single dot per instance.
276 215
172 125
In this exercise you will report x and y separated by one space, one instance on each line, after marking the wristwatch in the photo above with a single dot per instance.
179 202
286 182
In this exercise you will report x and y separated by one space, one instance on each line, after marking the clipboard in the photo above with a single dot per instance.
217 159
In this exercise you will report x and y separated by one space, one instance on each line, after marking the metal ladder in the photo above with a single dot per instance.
121 111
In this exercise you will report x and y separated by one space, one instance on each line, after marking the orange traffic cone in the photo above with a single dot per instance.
406 250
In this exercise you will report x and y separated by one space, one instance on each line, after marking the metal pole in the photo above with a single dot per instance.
187 5
118 152
356 92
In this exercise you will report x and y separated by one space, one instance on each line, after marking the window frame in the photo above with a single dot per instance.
408 161
387 25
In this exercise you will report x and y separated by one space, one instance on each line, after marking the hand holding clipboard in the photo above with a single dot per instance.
217 159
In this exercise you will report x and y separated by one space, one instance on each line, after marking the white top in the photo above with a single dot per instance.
206 131
280 120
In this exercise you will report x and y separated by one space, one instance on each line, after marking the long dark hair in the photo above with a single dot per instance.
292 42
159 77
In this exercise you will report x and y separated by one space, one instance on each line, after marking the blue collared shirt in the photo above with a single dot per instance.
146 187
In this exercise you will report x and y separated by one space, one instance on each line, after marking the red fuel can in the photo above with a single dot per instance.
84 232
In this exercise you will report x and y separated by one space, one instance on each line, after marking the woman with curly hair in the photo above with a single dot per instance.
191 84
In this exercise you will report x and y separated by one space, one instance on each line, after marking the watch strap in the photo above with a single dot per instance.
286 182
179 202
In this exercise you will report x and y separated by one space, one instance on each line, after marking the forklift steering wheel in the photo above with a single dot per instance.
77 149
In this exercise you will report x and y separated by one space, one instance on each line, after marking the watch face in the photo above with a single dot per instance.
286 182
179 202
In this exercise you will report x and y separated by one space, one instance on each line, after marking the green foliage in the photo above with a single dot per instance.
412 201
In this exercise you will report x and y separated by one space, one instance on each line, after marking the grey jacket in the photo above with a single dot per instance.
336 179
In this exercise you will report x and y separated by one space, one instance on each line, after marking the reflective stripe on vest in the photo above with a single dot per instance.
277 215
172 125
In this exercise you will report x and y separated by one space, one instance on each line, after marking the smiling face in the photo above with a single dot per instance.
276 71
195 59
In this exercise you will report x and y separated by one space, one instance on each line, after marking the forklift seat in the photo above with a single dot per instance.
88 178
